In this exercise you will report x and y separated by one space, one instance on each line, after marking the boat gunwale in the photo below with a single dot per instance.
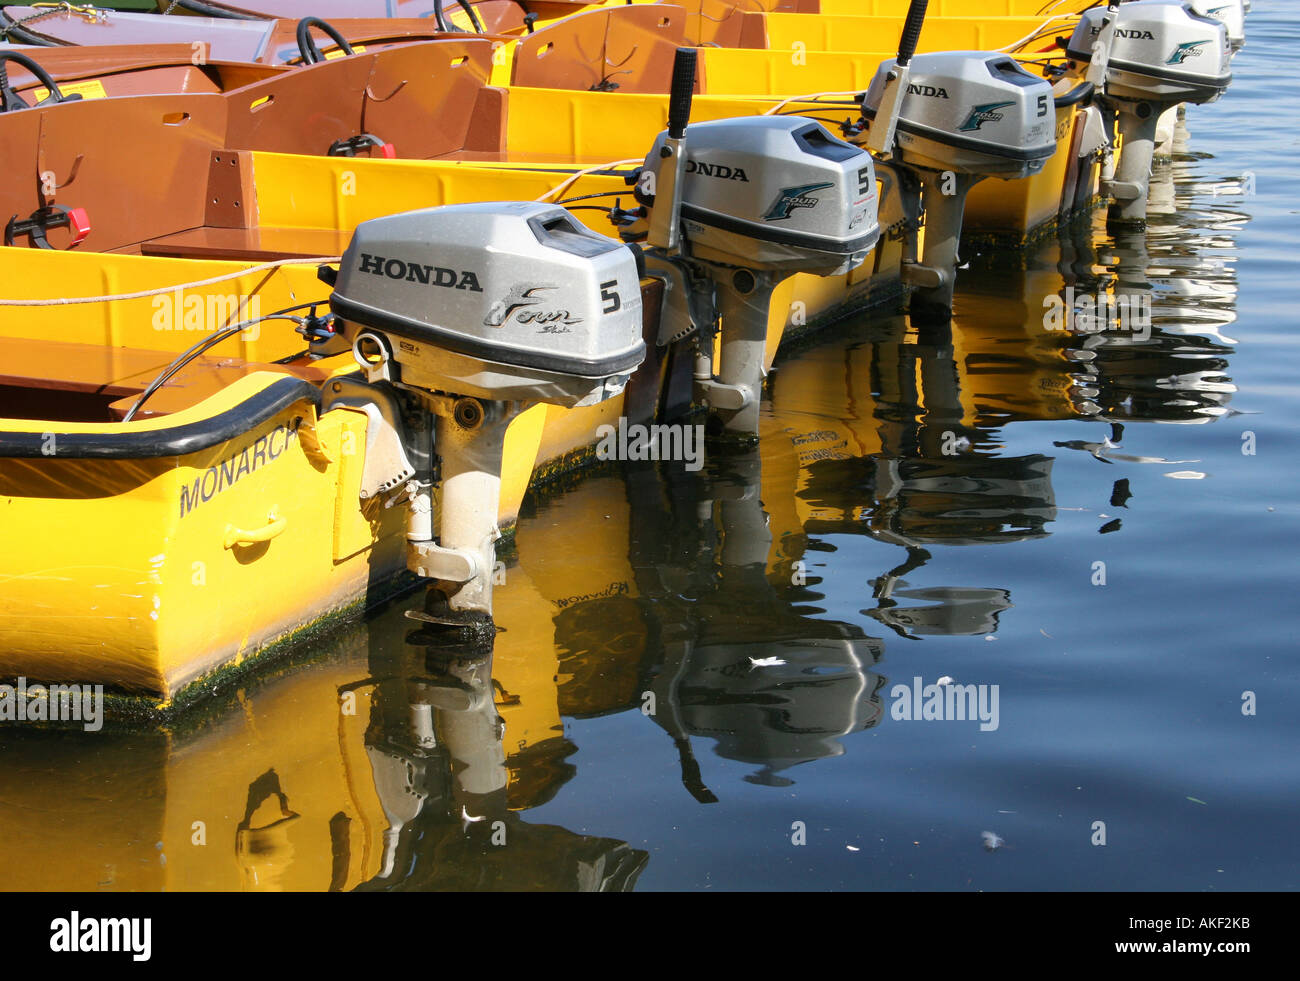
116 443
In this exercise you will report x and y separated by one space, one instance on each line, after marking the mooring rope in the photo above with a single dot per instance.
163 290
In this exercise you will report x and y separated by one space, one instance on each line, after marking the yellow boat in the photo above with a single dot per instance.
227 519
785 55
238 470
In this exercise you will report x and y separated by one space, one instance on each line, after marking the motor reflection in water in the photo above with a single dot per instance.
910 467
436 752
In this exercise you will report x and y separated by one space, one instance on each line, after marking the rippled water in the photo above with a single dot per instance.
698 670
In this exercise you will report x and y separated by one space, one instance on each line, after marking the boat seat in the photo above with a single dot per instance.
94 383
251 244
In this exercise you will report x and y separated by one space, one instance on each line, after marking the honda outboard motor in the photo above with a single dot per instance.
1161 53
964 116
478 311
1231 13
749 203
762 198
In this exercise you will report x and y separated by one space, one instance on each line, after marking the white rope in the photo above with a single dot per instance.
1057 22
162 290
569 181
811 97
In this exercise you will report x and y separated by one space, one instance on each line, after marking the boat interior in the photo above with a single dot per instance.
203 121
70 382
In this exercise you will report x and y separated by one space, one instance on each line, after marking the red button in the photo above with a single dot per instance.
79 224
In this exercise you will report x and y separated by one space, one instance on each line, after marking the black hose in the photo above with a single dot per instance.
440 18
207 10
473 16
19 34
307 47
41 75
195 350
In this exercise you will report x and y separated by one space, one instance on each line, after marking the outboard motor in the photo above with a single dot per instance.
478 311
1161 53
747 204
1231 13
946 121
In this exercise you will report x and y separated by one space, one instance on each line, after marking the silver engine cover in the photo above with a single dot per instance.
775 193
971 112
1162 51
502 300
1231 13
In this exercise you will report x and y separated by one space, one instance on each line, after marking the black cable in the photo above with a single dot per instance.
195 350
41 74
19 34
205 345
439 17
207 10
598 194
820 119
591 207
307 47
473 16
848 103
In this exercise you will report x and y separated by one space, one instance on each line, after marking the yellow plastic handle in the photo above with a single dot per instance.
238 536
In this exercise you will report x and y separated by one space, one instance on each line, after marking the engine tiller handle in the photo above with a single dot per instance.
911 36
681 92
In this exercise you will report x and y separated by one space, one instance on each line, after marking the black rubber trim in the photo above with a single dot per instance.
1082 92
382 320
1199 81
965 142
572 237
1151 71
814 140
780 236
1008 70
175 441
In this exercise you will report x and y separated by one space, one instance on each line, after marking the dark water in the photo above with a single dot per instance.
924 504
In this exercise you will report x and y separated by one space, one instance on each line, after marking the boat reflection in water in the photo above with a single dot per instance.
373 762
718 627
436 752
912 467
739 660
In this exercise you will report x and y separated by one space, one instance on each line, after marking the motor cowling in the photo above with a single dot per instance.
1231 13
775 193
501 300
971 112
1162 51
